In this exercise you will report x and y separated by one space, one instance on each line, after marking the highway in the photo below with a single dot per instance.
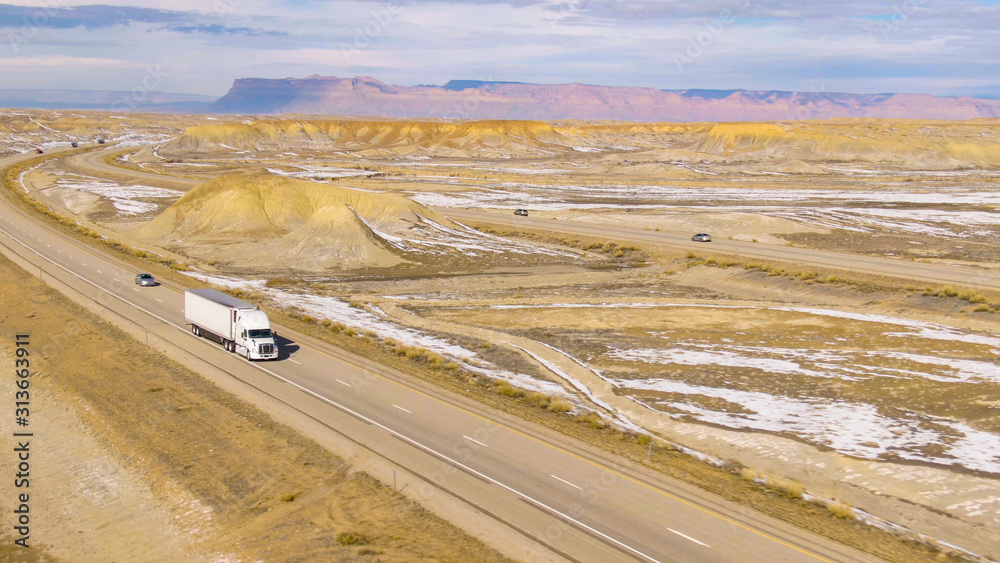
93 163
893 267
563 499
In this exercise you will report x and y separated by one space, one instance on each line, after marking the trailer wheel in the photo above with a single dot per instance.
194 330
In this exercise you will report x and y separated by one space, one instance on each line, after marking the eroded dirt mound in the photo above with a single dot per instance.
923 144
293 222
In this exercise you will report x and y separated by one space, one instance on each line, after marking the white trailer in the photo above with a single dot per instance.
239 326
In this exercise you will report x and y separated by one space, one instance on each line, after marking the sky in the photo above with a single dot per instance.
942 47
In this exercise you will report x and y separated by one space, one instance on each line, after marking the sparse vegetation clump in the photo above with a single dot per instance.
509 390
981 302
618 253
352 538
540 400
560 405
591 419
787 487
841 510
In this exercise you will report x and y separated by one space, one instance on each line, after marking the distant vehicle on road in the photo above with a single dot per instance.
39 151
145 280
522 212
74 144
100 141
702 237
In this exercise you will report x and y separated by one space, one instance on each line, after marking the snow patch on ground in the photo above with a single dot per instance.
128 200
855 429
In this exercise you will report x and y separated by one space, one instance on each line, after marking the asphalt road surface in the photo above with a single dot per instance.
918 271
565 500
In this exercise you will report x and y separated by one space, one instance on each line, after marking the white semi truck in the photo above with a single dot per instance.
239 326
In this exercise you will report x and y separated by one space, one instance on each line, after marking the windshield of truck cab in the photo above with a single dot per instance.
262 333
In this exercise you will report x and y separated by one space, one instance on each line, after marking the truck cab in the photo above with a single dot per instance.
253 335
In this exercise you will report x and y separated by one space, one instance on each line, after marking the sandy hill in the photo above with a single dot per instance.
913 143
483 138
270 221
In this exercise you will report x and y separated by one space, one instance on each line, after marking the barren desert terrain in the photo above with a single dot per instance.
877 391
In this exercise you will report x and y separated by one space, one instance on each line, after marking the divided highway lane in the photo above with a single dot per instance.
933 273
552 491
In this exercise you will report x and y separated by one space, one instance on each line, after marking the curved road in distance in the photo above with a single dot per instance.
581 504
918 271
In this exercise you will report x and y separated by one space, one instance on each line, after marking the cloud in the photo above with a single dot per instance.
62 61
898 45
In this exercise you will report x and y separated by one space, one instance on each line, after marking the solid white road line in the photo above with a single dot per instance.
402 409
567 482
476 441
688 537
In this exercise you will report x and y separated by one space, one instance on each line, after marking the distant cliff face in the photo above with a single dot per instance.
470 99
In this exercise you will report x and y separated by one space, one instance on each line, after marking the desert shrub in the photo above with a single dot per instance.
509 390
757 266
591 419
540 400
560 405
841 510
787 487
643 439
972 297
435 360
352 538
